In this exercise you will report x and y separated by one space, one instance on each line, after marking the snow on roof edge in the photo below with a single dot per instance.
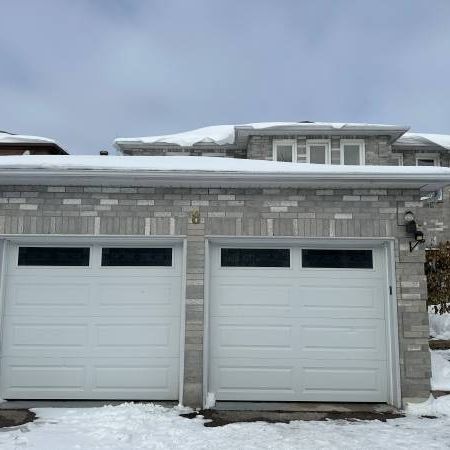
195 164
22 138
422 139
225 134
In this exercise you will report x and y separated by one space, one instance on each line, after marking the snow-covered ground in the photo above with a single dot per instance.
136 426
439 325
440 359
440 366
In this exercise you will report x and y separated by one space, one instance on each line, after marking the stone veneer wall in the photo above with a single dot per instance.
237 212
434 218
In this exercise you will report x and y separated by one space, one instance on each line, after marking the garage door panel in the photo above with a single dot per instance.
251 297
347 339
90 378
143 338
341 299
157 380
145 296
278 338
297 298
119 337
344 381
255 340
299 380
57 296
26 337
244 380
48 374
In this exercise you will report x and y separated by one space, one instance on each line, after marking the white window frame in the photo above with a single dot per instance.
291 142
325 142
362 149
439 194
433 156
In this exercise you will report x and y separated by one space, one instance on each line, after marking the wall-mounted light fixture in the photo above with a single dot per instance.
411 228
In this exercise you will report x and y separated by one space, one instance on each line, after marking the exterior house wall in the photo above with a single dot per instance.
434 217
238 212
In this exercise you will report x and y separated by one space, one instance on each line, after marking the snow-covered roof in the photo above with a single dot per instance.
9 138
207 171
424 140
226 134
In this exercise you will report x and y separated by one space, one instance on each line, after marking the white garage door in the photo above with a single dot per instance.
298 324
91 322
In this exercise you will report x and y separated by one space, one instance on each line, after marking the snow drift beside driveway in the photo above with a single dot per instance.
440 368
136 426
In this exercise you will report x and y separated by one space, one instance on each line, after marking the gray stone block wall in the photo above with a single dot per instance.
434 218
237 212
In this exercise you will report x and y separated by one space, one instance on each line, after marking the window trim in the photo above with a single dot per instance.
326 142
362 149
291 142
434 156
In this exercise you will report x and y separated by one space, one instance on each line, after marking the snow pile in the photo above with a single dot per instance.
139 426
8 138
440 367
205 164
225 134
443 140
439 325
432 407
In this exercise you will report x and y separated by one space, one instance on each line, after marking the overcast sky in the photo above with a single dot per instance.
84 72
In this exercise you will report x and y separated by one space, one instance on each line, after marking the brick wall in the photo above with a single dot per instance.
237 212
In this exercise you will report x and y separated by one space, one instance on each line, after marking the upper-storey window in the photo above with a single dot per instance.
285 150
318 151
427 159
352 152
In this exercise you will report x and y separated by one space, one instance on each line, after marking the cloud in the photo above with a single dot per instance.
85 72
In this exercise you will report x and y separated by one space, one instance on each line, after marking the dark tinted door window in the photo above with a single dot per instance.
138 256
337 259
54 256
255 257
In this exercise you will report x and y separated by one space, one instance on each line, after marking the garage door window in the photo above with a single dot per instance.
255 257
337 259
53 256
138 256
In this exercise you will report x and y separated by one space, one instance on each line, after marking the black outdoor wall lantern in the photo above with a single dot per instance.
411 229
